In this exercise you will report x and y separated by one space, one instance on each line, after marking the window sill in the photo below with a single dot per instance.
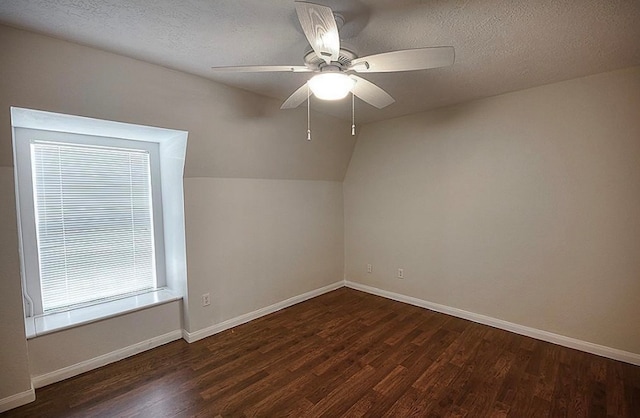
46 324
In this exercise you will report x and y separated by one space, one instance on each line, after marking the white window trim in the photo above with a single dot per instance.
23 139
172 150
38 325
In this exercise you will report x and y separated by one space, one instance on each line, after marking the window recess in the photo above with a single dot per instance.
91 222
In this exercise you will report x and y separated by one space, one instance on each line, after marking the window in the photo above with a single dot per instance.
91 217
94 223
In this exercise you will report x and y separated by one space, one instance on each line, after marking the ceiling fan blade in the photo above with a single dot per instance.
262 69
320 28
371 93
297 98
405 60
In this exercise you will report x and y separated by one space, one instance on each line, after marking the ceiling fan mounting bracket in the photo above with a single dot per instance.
339 20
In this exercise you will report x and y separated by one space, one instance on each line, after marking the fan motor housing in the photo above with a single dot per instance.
312 60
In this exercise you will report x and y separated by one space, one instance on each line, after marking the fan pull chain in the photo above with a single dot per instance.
308 114
353 114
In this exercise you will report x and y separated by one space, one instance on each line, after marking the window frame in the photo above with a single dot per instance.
24 137
172 146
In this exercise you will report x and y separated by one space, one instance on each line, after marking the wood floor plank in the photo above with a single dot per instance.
412 403
348 353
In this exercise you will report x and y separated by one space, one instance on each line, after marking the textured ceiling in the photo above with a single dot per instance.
501 45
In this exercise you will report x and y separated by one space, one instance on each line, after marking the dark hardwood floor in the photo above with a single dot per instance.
348 353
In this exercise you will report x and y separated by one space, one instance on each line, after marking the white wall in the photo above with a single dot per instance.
252 243
232 133
522 207
14 367
50 354
234 136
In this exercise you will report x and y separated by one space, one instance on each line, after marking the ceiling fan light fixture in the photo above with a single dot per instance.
331 86
331 62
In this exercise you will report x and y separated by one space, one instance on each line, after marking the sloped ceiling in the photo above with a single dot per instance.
501 45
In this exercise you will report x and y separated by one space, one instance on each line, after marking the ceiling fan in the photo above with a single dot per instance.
333 66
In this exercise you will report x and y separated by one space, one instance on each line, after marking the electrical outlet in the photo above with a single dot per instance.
369 268
400 273
206 299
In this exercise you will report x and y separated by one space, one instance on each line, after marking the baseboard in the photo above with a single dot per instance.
239 320
600 350
103 360
17 400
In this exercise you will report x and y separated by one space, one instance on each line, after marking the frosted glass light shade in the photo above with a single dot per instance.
331 86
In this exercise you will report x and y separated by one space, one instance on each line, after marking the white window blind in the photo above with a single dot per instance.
94 223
